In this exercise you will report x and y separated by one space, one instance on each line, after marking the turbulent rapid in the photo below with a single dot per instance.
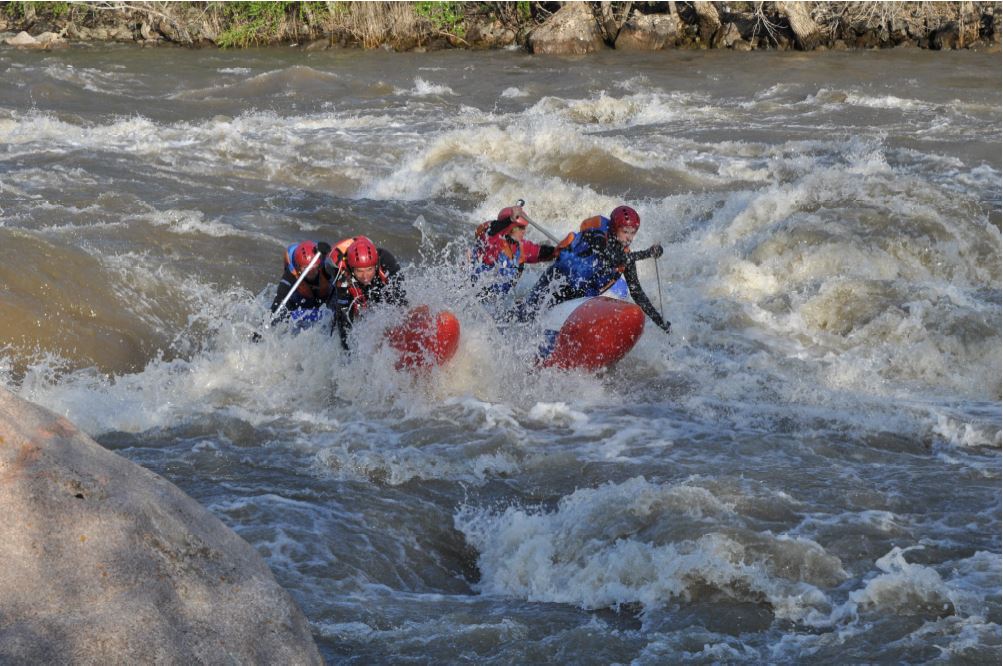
807 468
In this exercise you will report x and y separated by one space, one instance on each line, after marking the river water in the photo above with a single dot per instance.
806 469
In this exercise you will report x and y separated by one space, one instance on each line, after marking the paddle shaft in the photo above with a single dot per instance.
658 280
299 280
553 239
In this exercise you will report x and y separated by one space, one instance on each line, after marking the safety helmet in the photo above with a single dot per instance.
304 254
624 217
362 253
509 218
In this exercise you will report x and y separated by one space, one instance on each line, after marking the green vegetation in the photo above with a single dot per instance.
253 23
444 17
22 10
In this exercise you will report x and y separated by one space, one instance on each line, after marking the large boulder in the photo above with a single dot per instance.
104 562
573 30
648 32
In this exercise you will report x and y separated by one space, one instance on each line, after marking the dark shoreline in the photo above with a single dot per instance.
571 28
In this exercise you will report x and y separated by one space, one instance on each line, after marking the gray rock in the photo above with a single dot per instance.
727 35
648 32
573 30
104 562
317 45
50 39
490 34
121 33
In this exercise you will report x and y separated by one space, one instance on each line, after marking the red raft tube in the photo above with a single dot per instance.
590 333
424 340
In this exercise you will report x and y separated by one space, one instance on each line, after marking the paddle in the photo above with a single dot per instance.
658 280
278 311
520 203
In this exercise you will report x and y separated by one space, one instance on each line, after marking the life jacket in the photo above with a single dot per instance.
318 291
580 266
352 295
499 255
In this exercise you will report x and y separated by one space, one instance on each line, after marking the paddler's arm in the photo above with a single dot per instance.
341 321
637 293
533 253
285 286
394 292
653 251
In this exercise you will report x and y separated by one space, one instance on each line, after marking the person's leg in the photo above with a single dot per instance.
530 306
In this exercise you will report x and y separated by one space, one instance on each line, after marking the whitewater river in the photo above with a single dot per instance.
806 470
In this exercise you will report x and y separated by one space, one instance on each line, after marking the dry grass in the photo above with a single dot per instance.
376 23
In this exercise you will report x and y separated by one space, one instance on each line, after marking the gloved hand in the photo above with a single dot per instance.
656 250
324 248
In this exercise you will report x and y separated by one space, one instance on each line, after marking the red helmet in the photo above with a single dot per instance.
624 217
514 216
304 254
361 253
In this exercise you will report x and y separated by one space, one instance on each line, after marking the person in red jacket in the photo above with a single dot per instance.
501 252
364 275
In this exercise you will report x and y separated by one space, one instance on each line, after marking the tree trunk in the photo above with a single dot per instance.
608 21
707 20
805 29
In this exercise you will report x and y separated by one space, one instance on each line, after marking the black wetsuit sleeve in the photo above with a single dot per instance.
637 293
546 253
393 290
341 322
285 286
641 254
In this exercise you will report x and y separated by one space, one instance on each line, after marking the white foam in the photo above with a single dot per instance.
905 588
423 88
601 548
966 435
557 413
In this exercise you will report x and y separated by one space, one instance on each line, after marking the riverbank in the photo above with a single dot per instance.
539 27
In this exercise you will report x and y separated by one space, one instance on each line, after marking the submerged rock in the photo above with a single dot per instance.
106 562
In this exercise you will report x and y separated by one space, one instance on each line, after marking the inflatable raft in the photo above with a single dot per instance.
591 333
424 340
